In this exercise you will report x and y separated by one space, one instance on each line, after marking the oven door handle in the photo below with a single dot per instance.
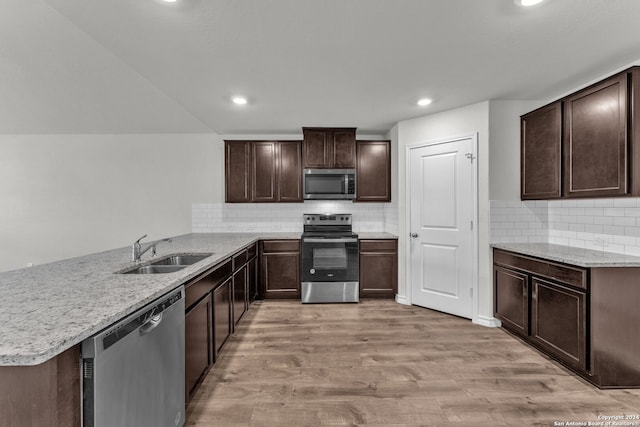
331 240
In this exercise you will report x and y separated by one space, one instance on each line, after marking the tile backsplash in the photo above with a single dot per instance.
287 217
611 225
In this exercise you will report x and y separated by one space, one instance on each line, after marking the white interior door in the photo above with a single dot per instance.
442 211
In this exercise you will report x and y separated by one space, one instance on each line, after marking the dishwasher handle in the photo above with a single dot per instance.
151 324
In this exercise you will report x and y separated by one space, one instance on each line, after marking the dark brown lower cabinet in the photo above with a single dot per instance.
222 324
198 343
215 302
511 299
47 394
280 269
615 326
252 279
558 322
378 268
585 318
239 293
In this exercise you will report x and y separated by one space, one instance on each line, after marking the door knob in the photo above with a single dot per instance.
414 235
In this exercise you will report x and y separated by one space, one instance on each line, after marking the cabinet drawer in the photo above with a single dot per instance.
281 246
252 251
570 275
378 245
239 259
206 283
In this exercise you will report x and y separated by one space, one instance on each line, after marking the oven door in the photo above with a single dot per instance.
330 259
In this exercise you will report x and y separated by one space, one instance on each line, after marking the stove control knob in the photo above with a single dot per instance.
312 271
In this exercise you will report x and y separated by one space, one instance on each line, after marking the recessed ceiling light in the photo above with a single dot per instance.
240 100
170 1
424 102
527 3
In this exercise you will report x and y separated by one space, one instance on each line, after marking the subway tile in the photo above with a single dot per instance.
613 229
625 202
624 240
584 219
604 220
604 203
594 228
625 221
613 212
632 212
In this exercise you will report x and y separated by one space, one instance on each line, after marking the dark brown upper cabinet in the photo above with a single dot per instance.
289 171
237 171
598 132
541 153
263 171
373 171
329 147
596 140
263 168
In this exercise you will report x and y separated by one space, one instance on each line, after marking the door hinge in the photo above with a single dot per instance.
470 156
471 292
471 222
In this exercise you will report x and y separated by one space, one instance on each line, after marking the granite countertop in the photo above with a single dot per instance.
376 235
588 258
49 308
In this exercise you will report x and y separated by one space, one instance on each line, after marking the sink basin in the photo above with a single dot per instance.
155 269
181 259
168 264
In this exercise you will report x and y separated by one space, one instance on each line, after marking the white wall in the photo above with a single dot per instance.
68 195
461 121
504 148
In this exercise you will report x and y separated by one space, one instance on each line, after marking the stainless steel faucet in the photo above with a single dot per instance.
138 251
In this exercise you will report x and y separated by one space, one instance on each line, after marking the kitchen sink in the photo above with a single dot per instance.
168 264
155 269
181 259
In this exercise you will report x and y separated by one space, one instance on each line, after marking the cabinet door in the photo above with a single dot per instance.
263 180
280 269
329 147
315 148
378 268
373 178
239 293
237 171
344 148
511 299
252 278
595 140
221 316
290 171
541 153
198 343
558 322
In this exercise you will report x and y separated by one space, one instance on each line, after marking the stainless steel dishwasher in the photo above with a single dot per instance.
133 371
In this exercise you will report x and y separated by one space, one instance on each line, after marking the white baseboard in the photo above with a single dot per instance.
489 322
402 300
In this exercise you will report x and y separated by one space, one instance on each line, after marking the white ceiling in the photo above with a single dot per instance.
144 66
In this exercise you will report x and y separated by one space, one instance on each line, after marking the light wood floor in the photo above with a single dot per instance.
379 363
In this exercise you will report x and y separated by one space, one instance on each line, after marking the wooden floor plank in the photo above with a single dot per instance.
379 363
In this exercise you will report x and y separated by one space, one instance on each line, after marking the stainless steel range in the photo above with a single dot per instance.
330 259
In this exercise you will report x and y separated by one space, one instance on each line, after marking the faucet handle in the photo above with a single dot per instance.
138 241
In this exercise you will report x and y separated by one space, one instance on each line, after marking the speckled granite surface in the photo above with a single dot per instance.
570 255
49 308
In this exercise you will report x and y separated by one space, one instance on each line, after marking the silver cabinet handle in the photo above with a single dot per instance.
414 235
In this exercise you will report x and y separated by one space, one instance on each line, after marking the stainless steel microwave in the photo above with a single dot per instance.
329 184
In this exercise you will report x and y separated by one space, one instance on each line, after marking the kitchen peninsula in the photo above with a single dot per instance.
48 310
